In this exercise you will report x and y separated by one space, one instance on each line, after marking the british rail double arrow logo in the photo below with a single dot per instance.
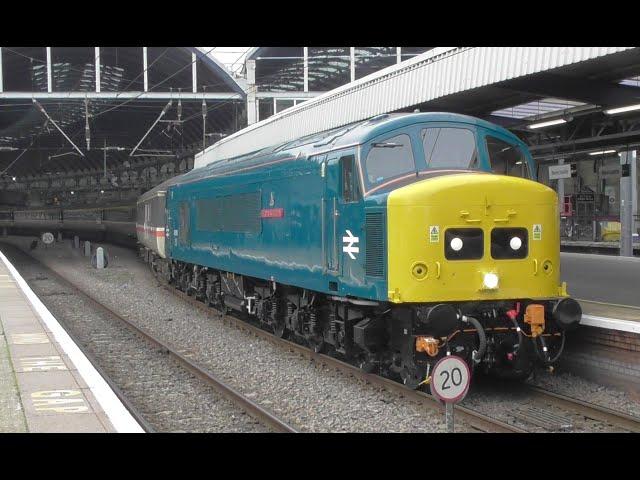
348 247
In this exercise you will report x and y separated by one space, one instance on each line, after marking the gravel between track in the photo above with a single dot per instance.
168 397
311 397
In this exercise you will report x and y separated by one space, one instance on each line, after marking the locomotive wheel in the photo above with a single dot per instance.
410 377
279 329
366 364
316 343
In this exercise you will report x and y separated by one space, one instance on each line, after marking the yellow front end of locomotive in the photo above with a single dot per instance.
420 214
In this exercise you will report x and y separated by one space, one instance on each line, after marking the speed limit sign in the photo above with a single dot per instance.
450 379
47 238
450 384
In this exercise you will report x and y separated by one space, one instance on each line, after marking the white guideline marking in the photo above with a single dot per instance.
117 413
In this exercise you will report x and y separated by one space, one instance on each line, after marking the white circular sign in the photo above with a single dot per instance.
47 238
450 379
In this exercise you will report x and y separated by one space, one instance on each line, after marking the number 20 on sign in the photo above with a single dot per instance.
450 383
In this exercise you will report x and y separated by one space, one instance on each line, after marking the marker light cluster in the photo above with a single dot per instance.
509 243
463 244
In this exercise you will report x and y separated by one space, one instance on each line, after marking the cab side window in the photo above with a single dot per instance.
350 190
389 159
506 159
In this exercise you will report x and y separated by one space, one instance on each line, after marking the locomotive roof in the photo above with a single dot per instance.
348 135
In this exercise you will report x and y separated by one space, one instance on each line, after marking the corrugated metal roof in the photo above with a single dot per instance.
440 72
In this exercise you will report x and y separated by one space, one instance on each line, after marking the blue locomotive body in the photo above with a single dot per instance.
385 240
281 214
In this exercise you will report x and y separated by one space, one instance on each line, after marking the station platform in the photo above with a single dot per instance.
610 316
587 246
46 383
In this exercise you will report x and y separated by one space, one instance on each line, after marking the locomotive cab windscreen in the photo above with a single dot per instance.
422 151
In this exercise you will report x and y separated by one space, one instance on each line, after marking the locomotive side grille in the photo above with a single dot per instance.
238 213
374 230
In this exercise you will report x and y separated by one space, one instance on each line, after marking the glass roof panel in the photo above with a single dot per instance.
632 82
536 108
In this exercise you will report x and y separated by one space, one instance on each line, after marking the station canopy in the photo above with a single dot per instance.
59 120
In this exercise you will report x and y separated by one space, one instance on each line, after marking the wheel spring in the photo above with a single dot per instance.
332 323
312 321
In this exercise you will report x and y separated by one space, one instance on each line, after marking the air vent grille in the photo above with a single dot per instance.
374 230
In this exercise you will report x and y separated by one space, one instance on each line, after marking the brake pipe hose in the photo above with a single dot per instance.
482 337
544 354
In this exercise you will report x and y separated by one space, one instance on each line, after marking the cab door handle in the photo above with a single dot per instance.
464 214
510 213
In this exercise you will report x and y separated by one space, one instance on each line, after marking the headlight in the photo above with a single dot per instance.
456 244
515 243
490 281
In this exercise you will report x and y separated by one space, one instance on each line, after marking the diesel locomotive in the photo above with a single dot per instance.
392 241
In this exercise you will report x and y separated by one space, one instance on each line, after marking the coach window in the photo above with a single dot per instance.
389 159
450 148
350 191
506 159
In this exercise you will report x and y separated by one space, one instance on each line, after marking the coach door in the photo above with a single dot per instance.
184 233
330 212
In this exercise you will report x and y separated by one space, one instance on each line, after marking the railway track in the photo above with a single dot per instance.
476 420
257 412
586 409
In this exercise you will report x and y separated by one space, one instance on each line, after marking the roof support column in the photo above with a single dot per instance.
561 187
49 82
634 193
98 69
194 73
626 203
398 54
306 69
252 102
352 54
1 78
144 69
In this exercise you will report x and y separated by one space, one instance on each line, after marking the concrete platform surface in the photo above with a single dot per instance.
46 382
602 278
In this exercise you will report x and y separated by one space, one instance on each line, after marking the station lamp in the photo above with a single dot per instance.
602 152
549 123
628 108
